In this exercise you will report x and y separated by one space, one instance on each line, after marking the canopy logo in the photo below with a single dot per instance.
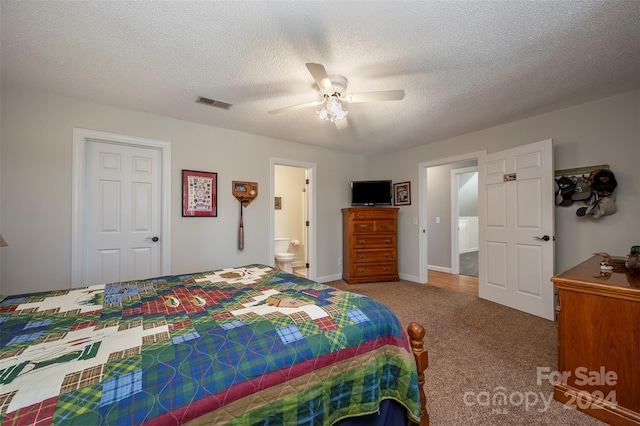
583 377
499 399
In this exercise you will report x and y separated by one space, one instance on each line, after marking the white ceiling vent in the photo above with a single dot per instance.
213 103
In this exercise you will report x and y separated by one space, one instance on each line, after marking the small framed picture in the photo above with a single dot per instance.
277 203
241 186
402 194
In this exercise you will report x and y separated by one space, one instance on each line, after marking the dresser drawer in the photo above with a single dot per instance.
377 226
380 269
372 241
363 226
371 256
384 226
370 213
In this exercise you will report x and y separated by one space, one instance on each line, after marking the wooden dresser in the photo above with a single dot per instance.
370 244
599 342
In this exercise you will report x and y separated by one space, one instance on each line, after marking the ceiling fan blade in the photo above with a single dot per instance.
342 124
385 95
319 74
294 107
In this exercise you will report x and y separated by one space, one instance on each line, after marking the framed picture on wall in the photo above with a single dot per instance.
199 194
402 194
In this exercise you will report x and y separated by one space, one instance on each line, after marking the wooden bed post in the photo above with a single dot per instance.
416 337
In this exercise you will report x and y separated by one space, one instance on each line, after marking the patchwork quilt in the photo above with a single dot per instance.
238 346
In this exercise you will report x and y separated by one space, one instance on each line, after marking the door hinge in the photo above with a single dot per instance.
306 223
306 265
306 181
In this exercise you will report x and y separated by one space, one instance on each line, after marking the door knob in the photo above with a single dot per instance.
543 238
154 239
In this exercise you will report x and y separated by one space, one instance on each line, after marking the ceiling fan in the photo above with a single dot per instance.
332 89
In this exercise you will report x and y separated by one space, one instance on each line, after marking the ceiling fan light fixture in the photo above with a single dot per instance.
332 110
332 90
323 114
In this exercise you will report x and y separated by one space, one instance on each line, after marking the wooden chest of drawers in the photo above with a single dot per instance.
599 342
370 244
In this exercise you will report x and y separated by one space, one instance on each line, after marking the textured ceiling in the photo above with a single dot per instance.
463 65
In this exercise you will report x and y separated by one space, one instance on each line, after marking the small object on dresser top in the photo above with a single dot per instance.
633 259
606 260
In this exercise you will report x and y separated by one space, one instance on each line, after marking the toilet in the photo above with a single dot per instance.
283 258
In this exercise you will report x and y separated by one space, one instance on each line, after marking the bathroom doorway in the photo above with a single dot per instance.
293 212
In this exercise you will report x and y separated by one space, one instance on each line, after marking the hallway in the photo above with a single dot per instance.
461 283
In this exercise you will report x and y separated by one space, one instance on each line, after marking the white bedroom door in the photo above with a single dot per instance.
123 210
517 228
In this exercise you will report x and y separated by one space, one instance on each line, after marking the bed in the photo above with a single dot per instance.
238 346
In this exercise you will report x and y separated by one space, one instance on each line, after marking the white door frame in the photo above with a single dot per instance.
455 217
423 248
311 211
79 197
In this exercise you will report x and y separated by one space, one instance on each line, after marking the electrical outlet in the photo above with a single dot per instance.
438 219
340 261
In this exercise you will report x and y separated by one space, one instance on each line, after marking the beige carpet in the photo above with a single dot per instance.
478 349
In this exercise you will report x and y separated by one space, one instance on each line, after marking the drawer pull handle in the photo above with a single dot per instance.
361 270
361 241
386 269
386 255
361 256
387 241
364 226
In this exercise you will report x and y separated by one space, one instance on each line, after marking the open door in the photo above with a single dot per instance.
517 228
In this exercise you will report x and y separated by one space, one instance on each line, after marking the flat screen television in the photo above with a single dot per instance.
371 193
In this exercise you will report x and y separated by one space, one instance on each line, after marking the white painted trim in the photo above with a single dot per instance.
440 269
328 278
78 196
423 248
311 213
455 217
412 278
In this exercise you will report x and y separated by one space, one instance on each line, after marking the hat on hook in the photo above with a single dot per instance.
582 191
566 186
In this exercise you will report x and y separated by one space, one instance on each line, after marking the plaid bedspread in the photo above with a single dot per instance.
248 345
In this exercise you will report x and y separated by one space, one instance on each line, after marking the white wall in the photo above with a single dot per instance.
289 183
36 188
606 131
1 248
468 194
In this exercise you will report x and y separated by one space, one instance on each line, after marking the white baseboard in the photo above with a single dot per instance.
439 268
406 277
328 278
412 278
